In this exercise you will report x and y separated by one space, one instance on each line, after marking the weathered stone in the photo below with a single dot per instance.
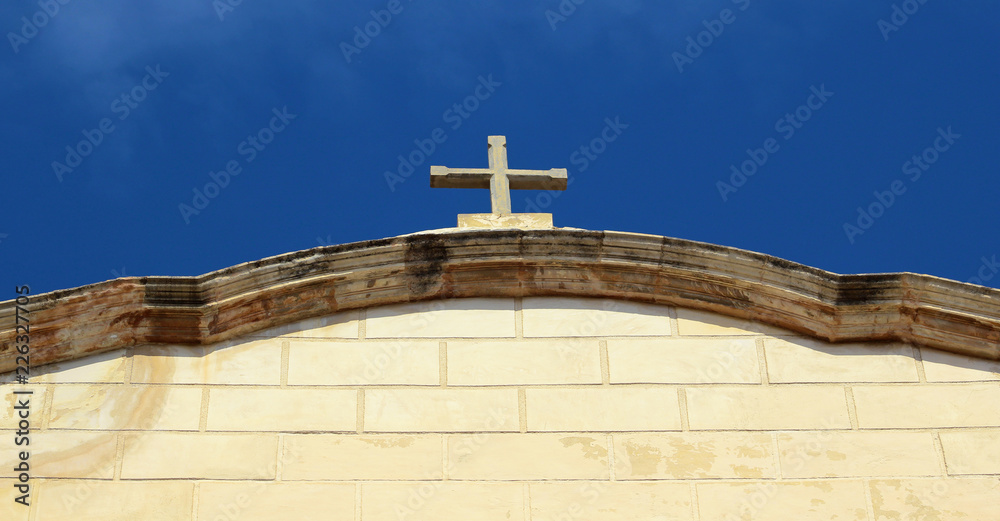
918 309
937 499
693 455
520 221
498 457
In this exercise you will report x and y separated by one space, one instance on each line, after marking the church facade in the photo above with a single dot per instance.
506 370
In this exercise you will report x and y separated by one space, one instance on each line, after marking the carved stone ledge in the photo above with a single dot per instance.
920 309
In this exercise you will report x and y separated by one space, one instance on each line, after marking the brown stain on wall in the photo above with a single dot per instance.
644 459
591 449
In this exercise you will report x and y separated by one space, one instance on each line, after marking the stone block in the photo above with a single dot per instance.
10 417
610 501
694 322
972 451
12 510
114 407
842 500
520 221
282 410
379 362
603 409
803 361
441 410
693 455
942 366
574 317
767 408
527 362
927 406
256 362
499 457
450 318
683 360
108 367
175 455
442 501
822 454
82 500
264 501
935 499
318 457
65 454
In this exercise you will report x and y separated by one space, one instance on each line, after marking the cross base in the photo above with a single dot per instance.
521 221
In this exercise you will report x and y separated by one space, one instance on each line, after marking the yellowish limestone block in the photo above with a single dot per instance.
942 366
693 322
842 500
458 318
177 455
142 407
821 454
79 500
603 409
388 362
100 368
683 360
562 317
12 510
767 408
521 221
528 362
527 456
316 457
9 416
442 501
283 410
610 501
972 451
802 360
65 454
693 455
928 406
440 410
935 499
236 362
339 325
271 501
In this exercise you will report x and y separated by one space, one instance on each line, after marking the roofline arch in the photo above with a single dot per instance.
453 263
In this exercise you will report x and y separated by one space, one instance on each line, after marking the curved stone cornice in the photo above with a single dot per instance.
920 309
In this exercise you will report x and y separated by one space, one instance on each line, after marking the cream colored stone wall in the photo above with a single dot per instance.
514 410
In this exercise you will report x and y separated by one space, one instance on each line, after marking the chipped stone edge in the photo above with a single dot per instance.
451 263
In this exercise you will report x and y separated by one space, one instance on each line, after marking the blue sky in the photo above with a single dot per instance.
651 106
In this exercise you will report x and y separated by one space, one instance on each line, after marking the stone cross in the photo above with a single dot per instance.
500 180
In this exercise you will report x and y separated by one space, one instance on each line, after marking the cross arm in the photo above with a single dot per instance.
444 177
553 179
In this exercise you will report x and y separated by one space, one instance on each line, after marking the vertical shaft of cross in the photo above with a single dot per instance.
499 184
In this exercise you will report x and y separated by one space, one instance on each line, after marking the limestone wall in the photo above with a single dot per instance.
514 410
